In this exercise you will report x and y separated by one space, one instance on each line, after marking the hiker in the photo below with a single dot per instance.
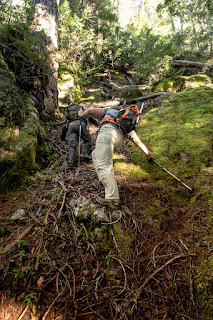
76 126
109 140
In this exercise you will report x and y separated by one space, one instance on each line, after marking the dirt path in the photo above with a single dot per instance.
138 268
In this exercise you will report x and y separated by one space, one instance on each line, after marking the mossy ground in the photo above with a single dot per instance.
179 135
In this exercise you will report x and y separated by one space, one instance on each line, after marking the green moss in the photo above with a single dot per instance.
204 288
176 84
197 81
3 64
10 100
177 130
124 240
172 84
123 166
101 235
19 148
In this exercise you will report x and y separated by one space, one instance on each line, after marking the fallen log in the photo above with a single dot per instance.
147 97
185 63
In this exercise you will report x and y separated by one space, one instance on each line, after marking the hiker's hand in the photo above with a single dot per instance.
149 156
80 112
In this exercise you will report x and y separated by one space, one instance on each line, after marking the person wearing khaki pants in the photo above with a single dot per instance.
109 140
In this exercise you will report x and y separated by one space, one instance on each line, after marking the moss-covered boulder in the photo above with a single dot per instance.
172 84
179 134
181 83
21 134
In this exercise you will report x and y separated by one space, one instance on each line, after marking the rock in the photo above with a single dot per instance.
100 215
83 209
40 281
185 157
116 215
18 215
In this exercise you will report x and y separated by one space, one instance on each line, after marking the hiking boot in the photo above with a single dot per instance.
86 150
112 203
71 156
70 161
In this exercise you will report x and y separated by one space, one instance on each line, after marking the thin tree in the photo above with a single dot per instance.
46 20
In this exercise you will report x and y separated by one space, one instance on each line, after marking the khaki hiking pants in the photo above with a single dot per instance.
108 141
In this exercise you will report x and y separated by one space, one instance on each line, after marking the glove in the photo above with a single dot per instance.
149 157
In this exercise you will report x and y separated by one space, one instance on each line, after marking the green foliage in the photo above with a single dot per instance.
29 299
80 234
13 14
5 230
192 26
16 29
108 259
20 273
174 29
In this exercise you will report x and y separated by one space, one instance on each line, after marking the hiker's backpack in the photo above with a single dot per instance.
126 120
71 111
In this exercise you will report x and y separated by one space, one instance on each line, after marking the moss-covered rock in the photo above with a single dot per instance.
20 131
181 83
197 81
179 134
173 84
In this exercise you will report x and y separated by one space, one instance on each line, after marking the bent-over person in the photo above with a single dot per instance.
109 140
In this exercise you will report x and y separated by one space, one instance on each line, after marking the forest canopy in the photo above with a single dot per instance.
138 37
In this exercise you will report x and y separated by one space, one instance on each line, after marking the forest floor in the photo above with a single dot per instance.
141 266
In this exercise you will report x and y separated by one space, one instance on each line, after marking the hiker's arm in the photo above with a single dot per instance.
94 121
137 141
94 112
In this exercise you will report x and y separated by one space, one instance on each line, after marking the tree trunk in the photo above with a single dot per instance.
46 20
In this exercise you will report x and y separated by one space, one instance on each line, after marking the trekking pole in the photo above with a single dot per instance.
79 150
141 109
185 185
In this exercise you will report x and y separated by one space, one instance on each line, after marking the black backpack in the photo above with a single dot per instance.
127 119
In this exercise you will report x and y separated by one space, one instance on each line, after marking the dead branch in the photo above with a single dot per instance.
138 292
125 277
113 222
112 233
62 205
185 63
23 313
96 284
149 96
48 310
73 279
10 246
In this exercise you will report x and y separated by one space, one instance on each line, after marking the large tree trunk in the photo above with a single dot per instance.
46 20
